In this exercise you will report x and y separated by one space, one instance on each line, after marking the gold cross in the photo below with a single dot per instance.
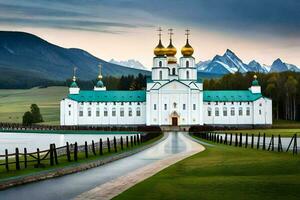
187 33
170 33
159 32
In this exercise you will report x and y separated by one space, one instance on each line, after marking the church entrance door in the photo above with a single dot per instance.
174 121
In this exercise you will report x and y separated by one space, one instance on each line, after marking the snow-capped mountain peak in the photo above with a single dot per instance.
129 63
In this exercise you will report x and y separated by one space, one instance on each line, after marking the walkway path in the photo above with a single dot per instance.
133 169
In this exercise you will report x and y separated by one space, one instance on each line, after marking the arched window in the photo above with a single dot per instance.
97 112
248 111
209 111
232 111
240 111
217 113
89 112
160 64
138 112
224 111
105 113
173 71
122 112
80 112
187 75
160 75
187 63
129 112
113 112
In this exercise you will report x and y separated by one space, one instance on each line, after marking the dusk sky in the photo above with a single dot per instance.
263 30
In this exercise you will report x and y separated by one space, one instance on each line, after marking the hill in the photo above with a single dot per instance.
30 60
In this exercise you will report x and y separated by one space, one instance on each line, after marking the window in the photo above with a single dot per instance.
122 112
260 104
154 106
240 103
209 111
217 112
232 111
105 113
194 106
232 103
138 112
160 75
160 64
166 106
217 103
173 71
183 107
129 112
113 112
240 111
97 112
174 105
224 103
208 103
248 111
69 105
259 112
89 112
224 111
187 75
187 63
69 113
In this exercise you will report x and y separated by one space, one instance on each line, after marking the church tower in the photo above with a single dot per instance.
160 71
187 70
74 89
171 59
99 85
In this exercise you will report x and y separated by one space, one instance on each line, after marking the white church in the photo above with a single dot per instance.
174 97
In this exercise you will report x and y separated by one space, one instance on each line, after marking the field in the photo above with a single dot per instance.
13 103
224 172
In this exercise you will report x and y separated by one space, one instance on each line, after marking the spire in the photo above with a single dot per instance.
159 50
171 50
99 85
74 84
187 50
100 71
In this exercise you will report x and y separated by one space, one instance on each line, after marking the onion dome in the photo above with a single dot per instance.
159 49
74 84
171 50
187 50
99 84
255 81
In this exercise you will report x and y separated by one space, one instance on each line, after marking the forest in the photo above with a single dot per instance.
283 88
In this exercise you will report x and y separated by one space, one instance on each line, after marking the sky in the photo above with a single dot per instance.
263 30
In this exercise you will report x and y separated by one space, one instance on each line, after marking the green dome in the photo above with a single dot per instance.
99 84
73 85
255 83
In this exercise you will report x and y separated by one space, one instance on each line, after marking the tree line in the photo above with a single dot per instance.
283 88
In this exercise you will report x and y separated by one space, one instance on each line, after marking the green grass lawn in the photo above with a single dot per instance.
13 103
224 172
269 132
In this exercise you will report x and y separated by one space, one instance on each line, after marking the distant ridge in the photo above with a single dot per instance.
26 56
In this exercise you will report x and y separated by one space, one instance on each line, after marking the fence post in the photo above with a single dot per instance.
225 139
100 147
131 141
252 141
75 151
55 154
264 142
271 144
127 142
230 143
121 143
134 137
93 147
236 140
258 140
51 155
68 152
25 158
17 159
295 151
221 139
115 144
241 140
6 160
246 144
279 148
108 145
38 157
86 149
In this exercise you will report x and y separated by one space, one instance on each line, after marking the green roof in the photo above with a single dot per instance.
73 85
230 95
99 84
255 83
109 96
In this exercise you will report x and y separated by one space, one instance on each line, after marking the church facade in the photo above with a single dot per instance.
174 97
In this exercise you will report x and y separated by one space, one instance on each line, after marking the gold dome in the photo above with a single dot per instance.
187 50
171 50
159 49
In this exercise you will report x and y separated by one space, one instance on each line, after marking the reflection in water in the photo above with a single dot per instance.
175 144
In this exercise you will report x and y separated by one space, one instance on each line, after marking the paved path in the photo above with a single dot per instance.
137 167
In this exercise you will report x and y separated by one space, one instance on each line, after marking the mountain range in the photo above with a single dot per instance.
129 63
26 57
229 62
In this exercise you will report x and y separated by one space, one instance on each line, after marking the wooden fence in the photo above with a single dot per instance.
18 160
236 139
